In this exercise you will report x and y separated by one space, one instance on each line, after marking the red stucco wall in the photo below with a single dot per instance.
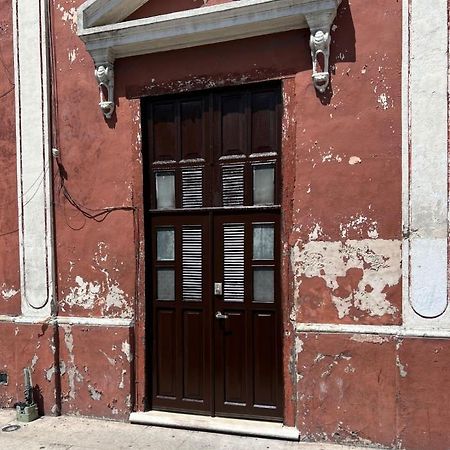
342 197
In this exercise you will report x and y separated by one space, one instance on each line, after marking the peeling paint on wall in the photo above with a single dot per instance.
8 292
103 292
95 395
73 373
68 15
126 349
353 275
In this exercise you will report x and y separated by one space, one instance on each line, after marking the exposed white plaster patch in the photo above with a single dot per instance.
95 395
122 379
84 294
354 160
329 157
359 223
49 373
383 101
34 360
315 233
378 260
72 372
8 292
105 294
72 54
69 16
298 345
115 296
401 367
372 338
126 349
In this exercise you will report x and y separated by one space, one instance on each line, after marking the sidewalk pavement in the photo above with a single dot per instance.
80 433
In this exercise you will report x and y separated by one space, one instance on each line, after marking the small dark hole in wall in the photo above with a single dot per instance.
3 378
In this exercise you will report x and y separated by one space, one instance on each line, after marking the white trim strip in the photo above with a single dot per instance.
95 321
33 156
372 329
83 321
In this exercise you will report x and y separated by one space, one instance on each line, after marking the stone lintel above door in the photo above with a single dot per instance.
201 26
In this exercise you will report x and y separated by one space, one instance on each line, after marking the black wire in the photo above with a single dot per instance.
99 215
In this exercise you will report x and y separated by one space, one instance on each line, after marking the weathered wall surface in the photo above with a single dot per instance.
9 245
341 230
95 380
30 346
370 389
346 241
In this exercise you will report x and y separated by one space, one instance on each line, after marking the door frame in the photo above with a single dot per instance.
140 398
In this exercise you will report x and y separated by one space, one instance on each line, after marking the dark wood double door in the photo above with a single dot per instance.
213 223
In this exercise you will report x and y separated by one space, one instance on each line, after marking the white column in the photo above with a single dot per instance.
33 157
425 164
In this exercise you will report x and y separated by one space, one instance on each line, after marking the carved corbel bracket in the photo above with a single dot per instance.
104 73
320 40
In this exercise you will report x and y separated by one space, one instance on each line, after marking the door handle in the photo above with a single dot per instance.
221 316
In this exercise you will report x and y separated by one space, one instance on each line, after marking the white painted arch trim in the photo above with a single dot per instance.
425 82
34 181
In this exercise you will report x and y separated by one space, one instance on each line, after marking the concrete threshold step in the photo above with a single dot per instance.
271 430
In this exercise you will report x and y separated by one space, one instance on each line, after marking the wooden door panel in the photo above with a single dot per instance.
265 360
165 354
192 128
233 130
193 355
264 122
234 363
163 132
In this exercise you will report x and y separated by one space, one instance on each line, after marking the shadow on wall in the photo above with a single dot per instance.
343 46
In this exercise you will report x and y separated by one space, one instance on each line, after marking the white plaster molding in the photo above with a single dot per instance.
82 321
425 165
102 12
320 40
104 74
31 69
387 330
95 321
208 25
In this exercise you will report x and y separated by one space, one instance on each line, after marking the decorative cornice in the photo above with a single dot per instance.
103 12
201 26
